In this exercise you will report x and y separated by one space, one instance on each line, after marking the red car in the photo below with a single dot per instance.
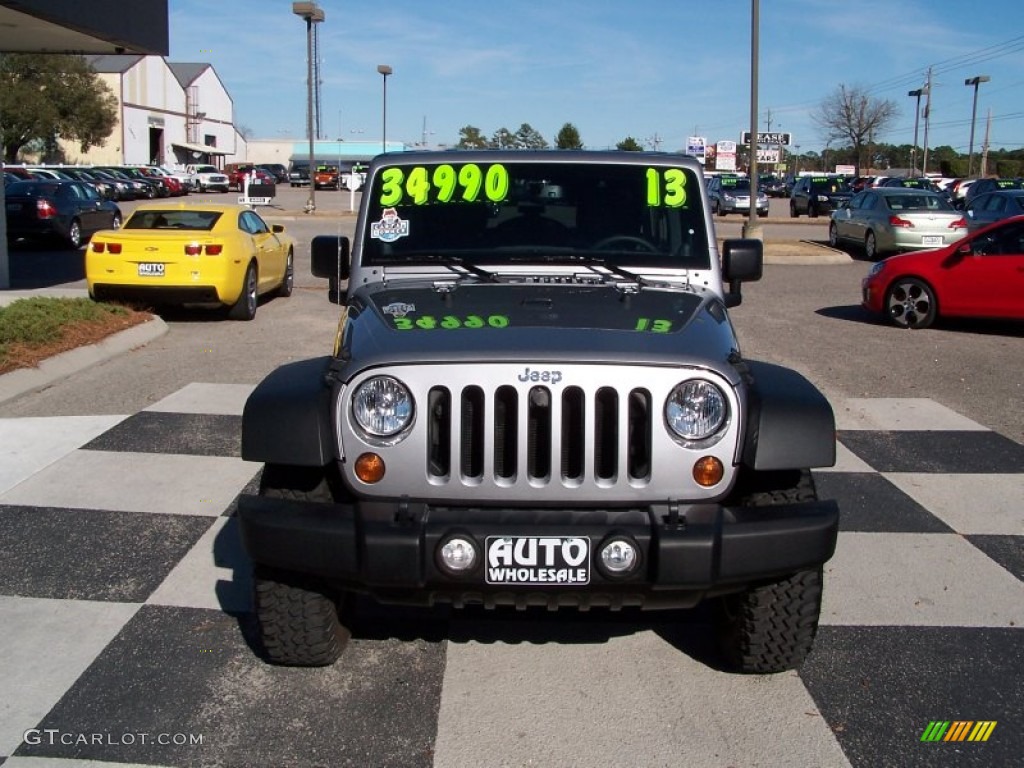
981 275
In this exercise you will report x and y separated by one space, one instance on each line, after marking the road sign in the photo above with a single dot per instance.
768 137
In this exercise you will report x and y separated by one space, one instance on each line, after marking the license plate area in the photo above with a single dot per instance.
931 240
538 561
151 269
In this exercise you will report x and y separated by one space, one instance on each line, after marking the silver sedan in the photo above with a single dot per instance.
885 220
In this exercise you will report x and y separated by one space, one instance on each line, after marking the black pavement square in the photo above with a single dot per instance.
86 554
945 452
1008 551
191 672
196 434
879 687
870 503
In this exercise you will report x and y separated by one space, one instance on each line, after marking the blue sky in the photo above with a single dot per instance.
651 69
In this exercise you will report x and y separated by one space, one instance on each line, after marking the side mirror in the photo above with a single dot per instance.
277 228
742 261
329 258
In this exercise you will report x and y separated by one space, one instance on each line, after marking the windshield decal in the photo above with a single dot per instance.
666 187
449 322
444 183
390 227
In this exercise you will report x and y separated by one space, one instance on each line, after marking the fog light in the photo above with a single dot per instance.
619 556
708 471
458 554
370 468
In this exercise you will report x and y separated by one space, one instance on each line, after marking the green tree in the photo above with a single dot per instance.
44 97
851 115
471 138
503 138
629 144
569 138
528 138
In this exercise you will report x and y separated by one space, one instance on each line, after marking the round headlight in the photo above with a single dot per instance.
382 406
696 409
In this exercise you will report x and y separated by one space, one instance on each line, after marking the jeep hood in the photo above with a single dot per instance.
478 322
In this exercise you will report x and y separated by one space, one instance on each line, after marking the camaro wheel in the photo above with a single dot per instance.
911 303
770 627
299 618
288 282
245 307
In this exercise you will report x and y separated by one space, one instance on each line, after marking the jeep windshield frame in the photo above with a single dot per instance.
495 209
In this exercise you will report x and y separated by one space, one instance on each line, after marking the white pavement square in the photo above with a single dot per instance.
172 484
220 399
894 414
969 504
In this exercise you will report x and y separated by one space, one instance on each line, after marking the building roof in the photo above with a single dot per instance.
186 72
111 64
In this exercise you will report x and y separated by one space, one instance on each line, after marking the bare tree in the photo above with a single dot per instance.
850 114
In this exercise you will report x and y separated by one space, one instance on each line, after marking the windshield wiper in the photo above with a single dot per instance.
593 262
454 263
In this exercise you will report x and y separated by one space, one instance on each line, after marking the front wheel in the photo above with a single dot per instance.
833 235
770 627
245 307
300 619
910 303
288 281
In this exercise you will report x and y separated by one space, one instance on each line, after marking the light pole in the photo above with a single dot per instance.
313 14
752 229
385 70
975 81
917 116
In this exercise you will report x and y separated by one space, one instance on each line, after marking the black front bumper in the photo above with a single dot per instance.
390 550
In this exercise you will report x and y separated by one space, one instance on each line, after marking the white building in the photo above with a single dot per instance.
168 113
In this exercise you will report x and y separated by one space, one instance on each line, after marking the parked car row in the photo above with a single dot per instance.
115 182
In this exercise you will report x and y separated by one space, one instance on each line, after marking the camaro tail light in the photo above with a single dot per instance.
99 247
896 221
960 223
196 249
45 209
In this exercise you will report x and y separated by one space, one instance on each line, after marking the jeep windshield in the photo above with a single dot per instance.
500 212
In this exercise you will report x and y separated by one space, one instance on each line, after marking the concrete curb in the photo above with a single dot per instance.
23 380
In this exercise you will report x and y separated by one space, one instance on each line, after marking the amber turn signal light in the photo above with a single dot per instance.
370 468
708 471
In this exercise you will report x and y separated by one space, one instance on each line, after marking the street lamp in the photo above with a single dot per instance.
975 81
385 70
313 14
917 116
752 229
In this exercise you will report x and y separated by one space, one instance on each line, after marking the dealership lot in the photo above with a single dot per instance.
124 593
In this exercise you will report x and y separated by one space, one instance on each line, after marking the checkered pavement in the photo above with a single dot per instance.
126 637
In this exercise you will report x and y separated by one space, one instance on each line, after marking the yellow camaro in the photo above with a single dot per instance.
181 253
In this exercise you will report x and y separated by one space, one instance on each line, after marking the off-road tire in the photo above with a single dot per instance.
770 627
300 619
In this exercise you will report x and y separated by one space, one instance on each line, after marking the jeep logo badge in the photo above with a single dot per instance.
548 377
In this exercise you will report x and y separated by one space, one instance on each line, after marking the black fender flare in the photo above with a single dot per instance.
790 424
287 418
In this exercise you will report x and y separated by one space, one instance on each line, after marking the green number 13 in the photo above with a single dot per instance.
666 188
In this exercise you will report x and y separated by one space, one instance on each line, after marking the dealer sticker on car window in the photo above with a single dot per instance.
538 560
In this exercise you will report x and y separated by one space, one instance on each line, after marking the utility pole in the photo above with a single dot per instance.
984 146
927 116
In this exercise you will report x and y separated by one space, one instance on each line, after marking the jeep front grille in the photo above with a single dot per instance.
491 434
565 437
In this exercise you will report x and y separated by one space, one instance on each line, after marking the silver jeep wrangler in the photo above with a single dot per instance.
536 398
